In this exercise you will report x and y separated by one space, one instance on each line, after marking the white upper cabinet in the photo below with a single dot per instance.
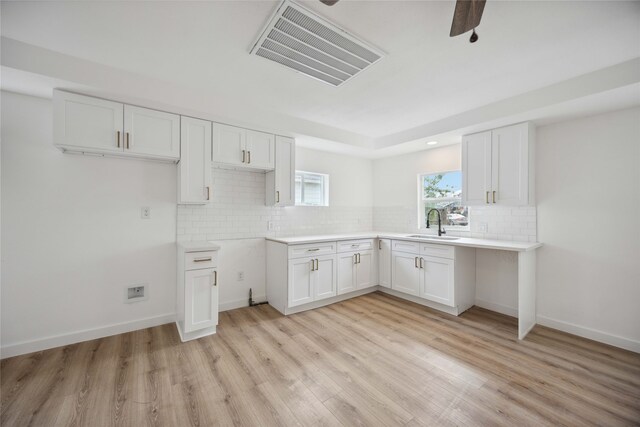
151 133
229 144
86 124
280 186
234 146
261 150
97 126
497 167
194 169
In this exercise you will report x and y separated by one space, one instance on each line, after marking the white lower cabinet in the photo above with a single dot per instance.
197 293
311 279
355 271
437 281
384 262
405 273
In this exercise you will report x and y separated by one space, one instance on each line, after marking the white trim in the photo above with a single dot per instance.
84 335
592 334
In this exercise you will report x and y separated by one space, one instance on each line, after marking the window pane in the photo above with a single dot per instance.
311 189
451 213
443 191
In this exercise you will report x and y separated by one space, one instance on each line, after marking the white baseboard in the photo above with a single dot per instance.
498 308
592 334
239 303
84 335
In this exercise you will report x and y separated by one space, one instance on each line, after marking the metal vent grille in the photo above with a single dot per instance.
301 40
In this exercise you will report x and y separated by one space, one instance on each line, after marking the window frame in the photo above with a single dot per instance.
325 189
422 225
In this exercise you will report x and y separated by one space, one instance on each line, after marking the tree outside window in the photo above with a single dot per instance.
443 191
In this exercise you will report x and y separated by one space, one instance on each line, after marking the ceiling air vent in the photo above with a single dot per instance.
299 39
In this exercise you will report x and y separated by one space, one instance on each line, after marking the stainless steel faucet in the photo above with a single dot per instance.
440 230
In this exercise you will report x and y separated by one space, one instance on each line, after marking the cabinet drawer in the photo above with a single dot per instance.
405 246
198 260
312 249
355 245
440 251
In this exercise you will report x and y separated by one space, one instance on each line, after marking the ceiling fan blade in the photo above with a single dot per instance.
329 2
466 16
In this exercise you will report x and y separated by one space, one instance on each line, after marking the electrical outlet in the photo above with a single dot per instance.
270 225
483 227
240 276
136 293
145 212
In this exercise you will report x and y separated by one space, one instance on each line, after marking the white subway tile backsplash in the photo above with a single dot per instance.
238 211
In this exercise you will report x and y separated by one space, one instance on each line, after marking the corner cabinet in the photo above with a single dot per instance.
280 183
194 169
498 165
384 262
243 148
88 125
197 291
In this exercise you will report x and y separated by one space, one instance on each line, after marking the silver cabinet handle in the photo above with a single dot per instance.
313 250
208 192
487 198
244 153
421 260
202 259
494 196
355 258
127 135
277 197
416 262
313 265
355 246
249 153
358 258
215 278
317 265
118 139
380 244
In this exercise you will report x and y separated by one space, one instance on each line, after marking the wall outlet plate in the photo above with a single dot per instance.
483 227
240 276
136 293
145 212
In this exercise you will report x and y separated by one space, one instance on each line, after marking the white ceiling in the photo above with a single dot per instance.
201 49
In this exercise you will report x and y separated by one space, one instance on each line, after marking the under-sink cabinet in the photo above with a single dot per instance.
197 290
437 273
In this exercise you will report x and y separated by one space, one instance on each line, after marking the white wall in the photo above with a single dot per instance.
588 191
72 236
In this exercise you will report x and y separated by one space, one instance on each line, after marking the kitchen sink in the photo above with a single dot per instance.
430 237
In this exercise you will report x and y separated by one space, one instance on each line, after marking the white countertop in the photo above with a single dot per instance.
503 245
197 246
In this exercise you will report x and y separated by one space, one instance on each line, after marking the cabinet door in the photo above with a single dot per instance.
300 281
151 133
364 270
229 144
261 150
405 273
346 272
510 165
285 172
194 169
437 280
476 169
201 299
82 122
325 277
384 262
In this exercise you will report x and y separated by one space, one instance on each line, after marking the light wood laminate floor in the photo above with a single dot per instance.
373 360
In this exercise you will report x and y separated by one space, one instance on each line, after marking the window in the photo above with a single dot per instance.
312 189
442 191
